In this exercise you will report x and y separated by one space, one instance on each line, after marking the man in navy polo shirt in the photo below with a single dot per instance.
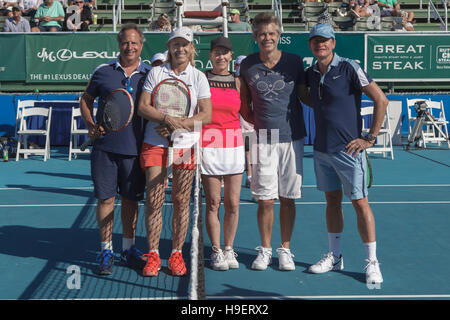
336 86
115 156
276 81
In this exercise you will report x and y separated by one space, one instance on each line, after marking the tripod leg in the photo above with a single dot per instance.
416 132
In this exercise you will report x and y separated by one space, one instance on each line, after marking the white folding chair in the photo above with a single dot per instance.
75 131
22 104
432 134
24 132
384 140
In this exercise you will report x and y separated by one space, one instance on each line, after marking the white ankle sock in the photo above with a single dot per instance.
334 243
106 245
371 250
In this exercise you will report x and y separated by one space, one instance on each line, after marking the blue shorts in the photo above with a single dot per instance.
114 173
335 171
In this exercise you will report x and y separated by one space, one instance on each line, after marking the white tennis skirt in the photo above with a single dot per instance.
222 161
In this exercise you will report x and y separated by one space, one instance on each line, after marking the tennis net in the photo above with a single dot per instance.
196 287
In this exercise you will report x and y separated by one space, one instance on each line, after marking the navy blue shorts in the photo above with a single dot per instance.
114 173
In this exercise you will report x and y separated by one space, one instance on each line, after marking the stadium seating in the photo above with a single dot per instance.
142 12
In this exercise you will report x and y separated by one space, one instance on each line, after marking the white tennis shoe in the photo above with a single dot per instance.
218 262
373 272
230 258
263 259
285 259
329 262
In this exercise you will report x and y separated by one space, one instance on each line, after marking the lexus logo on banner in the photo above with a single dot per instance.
67 54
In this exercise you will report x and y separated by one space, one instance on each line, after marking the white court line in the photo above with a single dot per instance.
395 185
45 188
242 203
394 296
304 186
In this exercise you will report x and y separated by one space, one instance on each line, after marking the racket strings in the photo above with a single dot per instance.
172 99
116 112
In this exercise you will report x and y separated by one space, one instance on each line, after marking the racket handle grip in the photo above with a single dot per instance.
86 144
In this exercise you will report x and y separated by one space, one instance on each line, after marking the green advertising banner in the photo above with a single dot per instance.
67 57
12 57
408 57
72 57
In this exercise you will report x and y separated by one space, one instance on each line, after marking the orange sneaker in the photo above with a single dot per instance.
152 266
176 264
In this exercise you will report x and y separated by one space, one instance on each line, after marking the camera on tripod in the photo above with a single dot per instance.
420 106
423 117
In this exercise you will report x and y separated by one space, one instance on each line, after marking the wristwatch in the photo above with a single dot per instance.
370 137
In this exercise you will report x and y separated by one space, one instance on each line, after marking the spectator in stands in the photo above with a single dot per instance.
198 28
162 24
392 8
405 25
17 23
29 8
361 7
236 24
49 14
326 18
5 5
78 18
158 59
90 3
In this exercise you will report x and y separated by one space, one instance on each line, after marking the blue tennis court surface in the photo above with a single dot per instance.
48 233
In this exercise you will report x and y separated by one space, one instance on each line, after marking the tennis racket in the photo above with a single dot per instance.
172 97
117 114
369 176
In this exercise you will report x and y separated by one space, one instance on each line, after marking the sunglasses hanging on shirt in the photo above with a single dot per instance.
127 83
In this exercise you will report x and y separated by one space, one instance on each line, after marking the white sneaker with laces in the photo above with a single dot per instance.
285 259
263 259
230 258
373 272
328 262
218 260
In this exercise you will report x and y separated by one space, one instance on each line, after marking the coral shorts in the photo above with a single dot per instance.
156 156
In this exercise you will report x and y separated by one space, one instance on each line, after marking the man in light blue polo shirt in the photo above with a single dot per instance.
336 86
17 23
49 14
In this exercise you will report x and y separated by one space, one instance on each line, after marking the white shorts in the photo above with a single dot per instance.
222 161
278 170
